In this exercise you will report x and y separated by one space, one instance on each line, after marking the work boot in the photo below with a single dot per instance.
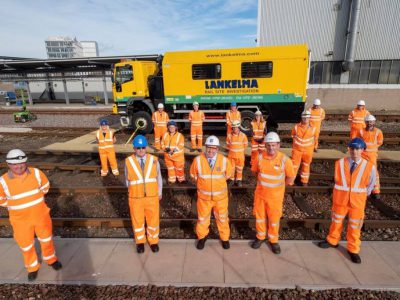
56 265
32 275
192 150
200 150
226 245
256 243
201 243
376 196
325 245
275 248
231 182
140 248
303 184
355 258
154 248
239 183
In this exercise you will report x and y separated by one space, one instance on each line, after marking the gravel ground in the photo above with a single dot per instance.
83 292
392 200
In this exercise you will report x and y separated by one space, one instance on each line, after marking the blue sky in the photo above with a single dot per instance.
123 27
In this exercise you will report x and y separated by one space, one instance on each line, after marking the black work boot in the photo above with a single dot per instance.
256 243
355 258
201 243
56 265
200 150
32 275
226 245
275 248
239 183
325 244
140 248
154 248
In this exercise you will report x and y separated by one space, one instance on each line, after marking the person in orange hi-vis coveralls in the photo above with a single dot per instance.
160 119
232 115
237 142
196 118
144 182
357 118
209 172
172 143
373 138
274 170
22 191
317 116
106 139
303 146
259 128
354 180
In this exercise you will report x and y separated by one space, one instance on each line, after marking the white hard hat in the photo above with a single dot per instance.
212 140
195 103
236 124
258 113
370 118
361 102
306 114
272 137
160 105
16 156
317 102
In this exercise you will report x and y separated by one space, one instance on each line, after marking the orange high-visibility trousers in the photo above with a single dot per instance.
256 149
108 155
145 209
159 131
24 234
196 134
175 166
356 217
304 159
238 165
373 158
220 209
316 136
268 214
354 132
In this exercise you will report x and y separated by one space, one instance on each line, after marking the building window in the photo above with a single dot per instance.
260 69
206 71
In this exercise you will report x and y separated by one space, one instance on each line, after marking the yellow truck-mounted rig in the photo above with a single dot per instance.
270 79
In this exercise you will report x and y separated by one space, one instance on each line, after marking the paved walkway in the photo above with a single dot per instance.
179 263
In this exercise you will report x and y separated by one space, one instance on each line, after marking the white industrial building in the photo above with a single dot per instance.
66 47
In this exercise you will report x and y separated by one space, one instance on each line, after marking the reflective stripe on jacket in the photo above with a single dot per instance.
173 141
258 129
196 118
142 183
357 118
237 144
317 116
303 137
233 116
160 119
105 141
372 138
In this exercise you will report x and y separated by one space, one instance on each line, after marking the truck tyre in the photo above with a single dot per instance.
142 119
247 117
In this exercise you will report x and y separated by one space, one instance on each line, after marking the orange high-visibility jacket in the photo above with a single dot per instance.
357 118
237 144
142 183
211 184
317 116
173 141
24 195
303 137
107 141
373 139
272 174
160 119
351 189
196 118
258 129
233 116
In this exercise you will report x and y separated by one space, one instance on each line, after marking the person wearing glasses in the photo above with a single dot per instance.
144 182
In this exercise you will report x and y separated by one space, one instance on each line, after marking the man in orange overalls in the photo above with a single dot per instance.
355 178
303 146
160 119
274 170
106 139
210 171
196 118
172 143
22 191
232 115
259 128
237 143
144 182
357 118
317 116
373 138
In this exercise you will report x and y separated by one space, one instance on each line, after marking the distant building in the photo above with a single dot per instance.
65 47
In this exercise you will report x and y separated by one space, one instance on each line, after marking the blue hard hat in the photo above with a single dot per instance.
171 123
233 104
139 141
103 122
357 143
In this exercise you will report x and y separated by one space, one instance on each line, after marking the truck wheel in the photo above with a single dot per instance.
247 117
143 120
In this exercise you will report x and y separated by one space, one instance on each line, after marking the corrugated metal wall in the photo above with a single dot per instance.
322 24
